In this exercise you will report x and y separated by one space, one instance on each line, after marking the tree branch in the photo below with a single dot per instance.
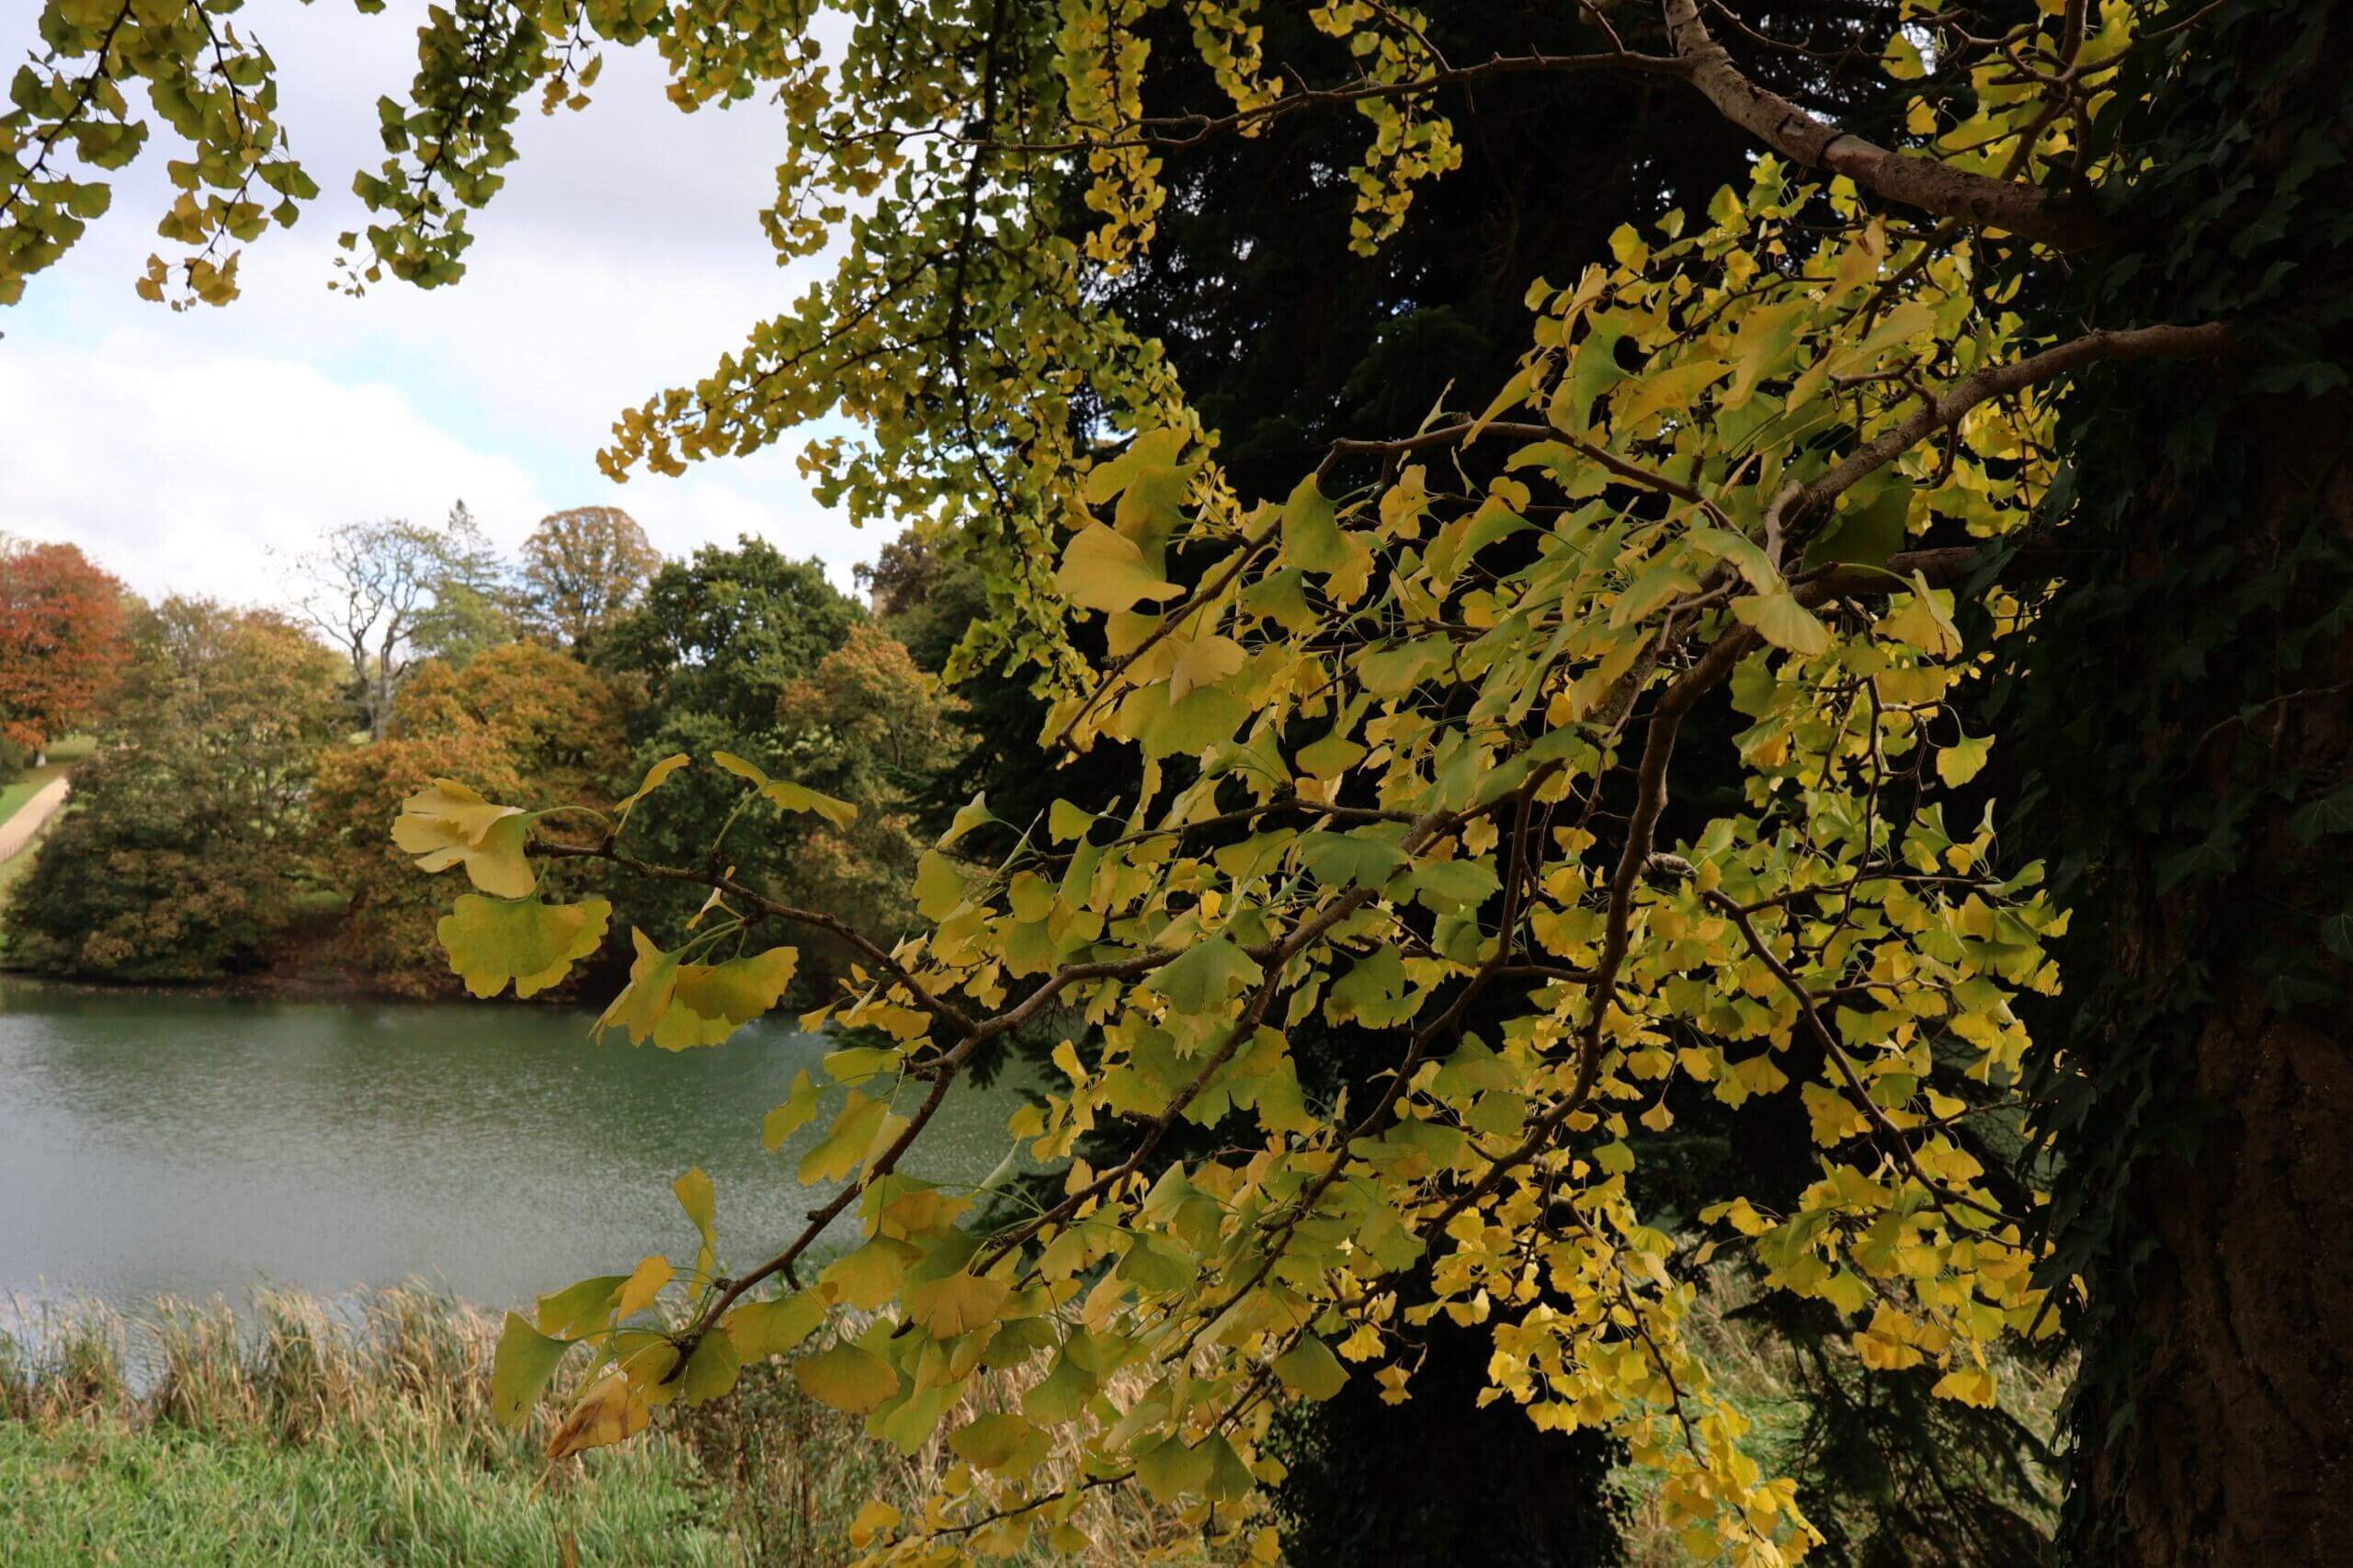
1923 183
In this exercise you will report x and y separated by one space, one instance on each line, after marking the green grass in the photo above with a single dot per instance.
25 786
297 1435
98 1490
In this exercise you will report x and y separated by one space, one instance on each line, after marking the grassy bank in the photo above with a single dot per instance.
314 1436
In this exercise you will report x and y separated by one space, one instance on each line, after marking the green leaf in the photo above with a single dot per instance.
492 941
739 990
799 1106
1200 979
853 1132
1311 530
1649 591
699 1199
1310 1369
994 1442
848 1377
645 1000
1170 1470
939 886
576 1309
769 1328
972 814
2331 813
1960 762
782 792
1339 858
712 1370
1742 554
520 1367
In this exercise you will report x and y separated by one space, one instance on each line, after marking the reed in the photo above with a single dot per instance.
310 1429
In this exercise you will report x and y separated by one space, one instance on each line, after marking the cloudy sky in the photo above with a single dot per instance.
200 452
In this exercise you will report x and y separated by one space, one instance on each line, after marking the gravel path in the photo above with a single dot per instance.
20 827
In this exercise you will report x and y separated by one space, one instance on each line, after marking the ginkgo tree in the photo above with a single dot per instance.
1403 740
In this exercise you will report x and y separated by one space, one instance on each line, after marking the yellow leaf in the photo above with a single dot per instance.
446 825
956 1304
1102 570
492 941
1780 620
655 777
645 1282
612 1410
1206 660
845 1143
741 988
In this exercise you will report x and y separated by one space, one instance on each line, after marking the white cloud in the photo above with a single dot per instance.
624 256
210 472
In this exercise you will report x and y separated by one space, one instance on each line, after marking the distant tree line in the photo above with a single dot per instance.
231 825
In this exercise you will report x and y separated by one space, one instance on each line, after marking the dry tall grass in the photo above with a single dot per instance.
403 1376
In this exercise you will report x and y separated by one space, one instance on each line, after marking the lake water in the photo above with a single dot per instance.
153 1144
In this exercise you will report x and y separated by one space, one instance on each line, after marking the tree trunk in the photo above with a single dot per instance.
2226 1435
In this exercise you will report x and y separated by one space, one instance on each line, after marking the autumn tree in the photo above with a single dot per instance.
581 570
62 640
519 718
188 843
2052 363
389 591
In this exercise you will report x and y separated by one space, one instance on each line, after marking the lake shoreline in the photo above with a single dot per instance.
273 987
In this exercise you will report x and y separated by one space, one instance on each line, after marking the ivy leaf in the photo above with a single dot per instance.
491 941
1103 570
520 1367
848 1377
1780 620
446 825
2331 813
